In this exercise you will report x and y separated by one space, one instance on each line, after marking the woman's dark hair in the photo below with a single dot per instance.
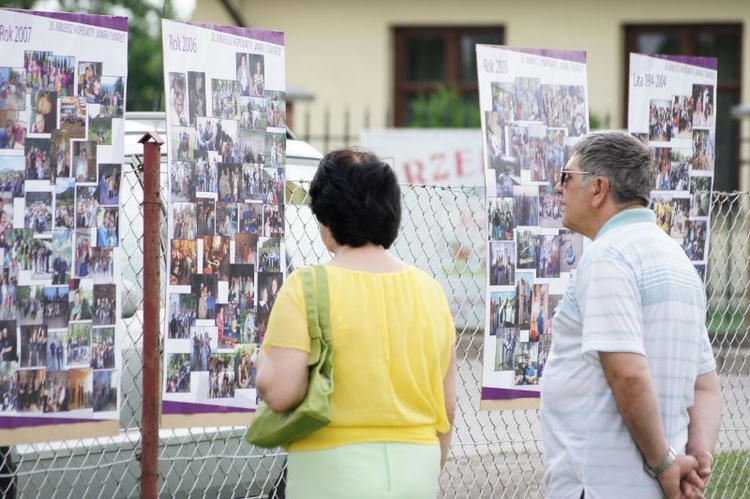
356 195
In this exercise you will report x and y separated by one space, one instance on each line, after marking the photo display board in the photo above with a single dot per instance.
226 146
672 107
534 106
62 101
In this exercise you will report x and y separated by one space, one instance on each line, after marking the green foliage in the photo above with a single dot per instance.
730 475
443 108
144 42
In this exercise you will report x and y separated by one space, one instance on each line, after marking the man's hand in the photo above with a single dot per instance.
681 480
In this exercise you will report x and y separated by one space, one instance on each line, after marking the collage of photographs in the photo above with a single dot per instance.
226 230
529 130
59 227
681 131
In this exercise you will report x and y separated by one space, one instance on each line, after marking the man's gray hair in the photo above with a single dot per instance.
626 161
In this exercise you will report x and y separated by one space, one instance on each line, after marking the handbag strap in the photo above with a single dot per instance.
316 305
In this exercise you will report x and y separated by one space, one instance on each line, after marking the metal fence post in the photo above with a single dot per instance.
151 301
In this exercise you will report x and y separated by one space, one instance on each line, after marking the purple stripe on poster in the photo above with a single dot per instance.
172 407
24 421
118 23
275 37
565 55
507 394
702 62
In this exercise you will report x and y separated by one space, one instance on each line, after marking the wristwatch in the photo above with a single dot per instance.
664 465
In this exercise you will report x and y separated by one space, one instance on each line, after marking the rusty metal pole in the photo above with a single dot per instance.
151 301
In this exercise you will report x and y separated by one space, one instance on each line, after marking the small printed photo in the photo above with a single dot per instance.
518 144
276 109
548 256
12 89
545 346
6 222
701 271
526 205
503 102
244 76
273 220
539 312
184 141
571 249
660 120
105 391
184 309
210 134
528 99
82 254
205 209
107 226
273 185
33 351
550 207
254 114
8 386
15 125
205 287
109 183
700 196
38 154
269 254
642 136
275 150
73 117
679 173
62 255
268 288
84 160
244 365
682 116
246 247
184 225
183 261
57 343
204 342
86 206
526 363
196 96
39 268
111 97
177 111
526 246
507 171
103 348
100 127
564 106
182 180
704 152
56 307
507 338
228 146
503 310
57 392
257 67
80 299
253 149
694 242
30 386
221 376
216 257
226 219
242 285
87 72
523 291
228 325
105 305
251 218
38 215
502 263
229 182
663 160
8 343
60 154
81 386
249 329
538 149
703 106
495 139
43 116
178 373
225 99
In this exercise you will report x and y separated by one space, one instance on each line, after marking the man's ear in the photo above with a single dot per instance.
601 190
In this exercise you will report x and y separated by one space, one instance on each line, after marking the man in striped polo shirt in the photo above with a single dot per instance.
631 403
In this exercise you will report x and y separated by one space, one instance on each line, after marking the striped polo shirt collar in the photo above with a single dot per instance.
627 217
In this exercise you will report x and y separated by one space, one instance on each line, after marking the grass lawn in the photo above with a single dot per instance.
731 476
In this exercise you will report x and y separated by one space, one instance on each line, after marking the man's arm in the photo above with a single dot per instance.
629 379
449 392
705 421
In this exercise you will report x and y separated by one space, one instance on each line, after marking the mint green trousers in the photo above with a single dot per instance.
380 470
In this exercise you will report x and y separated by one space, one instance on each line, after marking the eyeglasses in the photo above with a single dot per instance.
564 175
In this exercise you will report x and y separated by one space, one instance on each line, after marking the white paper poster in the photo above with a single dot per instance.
62 101
534 106
226 146
672 107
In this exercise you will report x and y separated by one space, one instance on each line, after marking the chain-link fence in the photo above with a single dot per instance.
494 454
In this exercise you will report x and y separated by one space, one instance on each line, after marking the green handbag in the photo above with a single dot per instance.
272 429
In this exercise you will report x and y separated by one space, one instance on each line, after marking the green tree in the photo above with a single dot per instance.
145 74
443 108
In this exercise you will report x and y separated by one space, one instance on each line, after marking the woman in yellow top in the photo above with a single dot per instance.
394 349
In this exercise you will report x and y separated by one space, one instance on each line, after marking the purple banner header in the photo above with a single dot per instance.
25 421
172 407
275 37
118 23
565 55
702 62
507 394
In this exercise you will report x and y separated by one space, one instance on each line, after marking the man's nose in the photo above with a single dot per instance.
558 188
